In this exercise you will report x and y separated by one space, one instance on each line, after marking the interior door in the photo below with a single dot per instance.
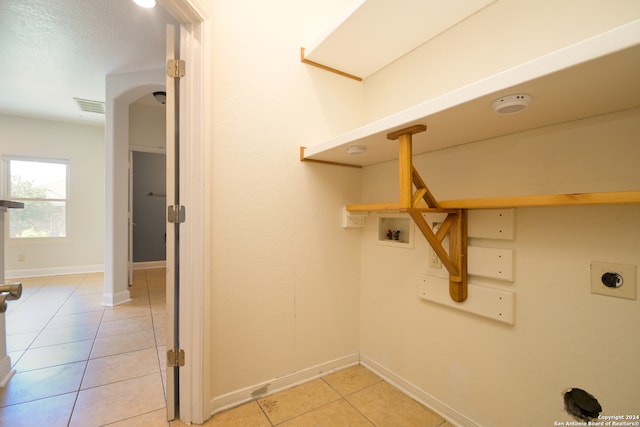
173 227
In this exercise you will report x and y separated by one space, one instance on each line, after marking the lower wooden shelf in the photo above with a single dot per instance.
602 198
421 200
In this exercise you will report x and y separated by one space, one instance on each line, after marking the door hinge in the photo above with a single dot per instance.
175 358
176 68
176 214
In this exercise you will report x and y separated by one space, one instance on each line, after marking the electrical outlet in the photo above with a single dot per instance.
21 258
434 261
616 280
353 220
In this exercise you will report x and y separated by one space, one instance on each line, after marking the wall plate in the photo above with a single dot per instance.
353 220
627 273
492 223
494 263
488 302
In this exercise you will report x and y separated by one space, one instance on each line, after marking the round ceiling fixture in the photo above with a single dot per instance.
145 3
160 96
356 150
510 104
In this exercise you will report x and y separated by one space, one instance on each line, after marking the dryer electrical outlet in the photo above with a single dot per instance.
615 280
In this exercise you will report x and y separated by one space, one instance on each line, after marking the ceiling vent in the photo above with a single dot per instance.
89 106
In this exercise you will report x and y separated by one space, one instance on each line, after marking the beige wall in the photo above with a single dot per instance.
285 275
563 336
83 146
488 373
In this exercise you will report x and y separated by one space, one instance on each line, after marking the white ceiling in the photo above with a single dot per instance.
53 51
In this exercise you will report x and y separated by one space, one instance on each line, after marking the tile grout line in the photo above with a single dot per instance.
86 365
76 392
264 413
341 397
155 339
344 397
69 291
40 289
29 347
115 382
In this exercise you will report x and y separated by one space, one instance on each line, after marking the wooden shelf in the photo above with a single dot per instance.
416 199
561 84
377 23
603 198
596 76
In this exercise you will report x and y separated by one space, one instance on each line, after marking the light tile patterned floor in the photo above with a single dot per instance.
351 397
80 364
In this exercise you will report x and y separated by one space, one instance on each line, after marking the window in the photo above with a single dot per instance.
42 185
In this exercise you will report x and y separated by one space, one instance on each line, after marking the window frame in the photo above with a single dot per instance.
6 190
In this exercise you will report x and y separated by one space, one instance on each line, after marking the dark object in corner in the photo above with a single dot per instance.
581 404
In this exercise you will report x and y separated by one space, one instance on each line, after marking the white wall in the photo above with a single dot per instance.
480 371
83 146
147 127
285 275
488 372
121 91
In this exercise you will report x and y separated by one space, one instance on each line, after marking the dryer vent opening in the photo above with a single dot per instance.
581 404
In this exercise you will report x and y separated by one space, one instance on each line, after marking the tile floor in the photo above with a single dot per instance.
351 397
79 364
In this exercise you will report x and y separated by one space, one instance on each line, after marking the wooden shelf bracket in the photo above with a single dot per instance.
454 226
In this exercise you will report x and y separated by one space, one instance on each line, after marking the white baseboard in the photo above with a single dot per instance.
149 264
451 415
111 300
53 271
275 385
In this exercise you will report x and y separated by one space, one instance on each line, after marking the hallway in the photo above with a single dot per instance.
79 363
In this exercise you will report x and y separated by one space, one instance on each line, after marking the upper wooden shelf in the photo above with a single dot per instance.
394 27
596 76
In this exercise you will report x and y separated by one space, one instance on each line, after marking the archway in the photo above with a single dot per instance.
122 90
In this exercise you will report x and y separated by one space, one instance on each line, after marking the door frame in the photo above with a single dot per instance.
195 233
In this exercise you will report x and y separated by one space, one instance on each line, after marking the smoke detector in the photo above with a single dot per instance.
510 104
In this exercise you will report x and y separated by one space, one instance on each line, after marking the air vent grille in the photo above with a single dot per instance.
90 106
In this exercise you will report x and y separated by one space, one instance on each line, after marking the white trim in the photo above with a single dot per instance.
111 300
149 265
54 271
445 411
275 385
195 178
185 11
145 149
195 233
